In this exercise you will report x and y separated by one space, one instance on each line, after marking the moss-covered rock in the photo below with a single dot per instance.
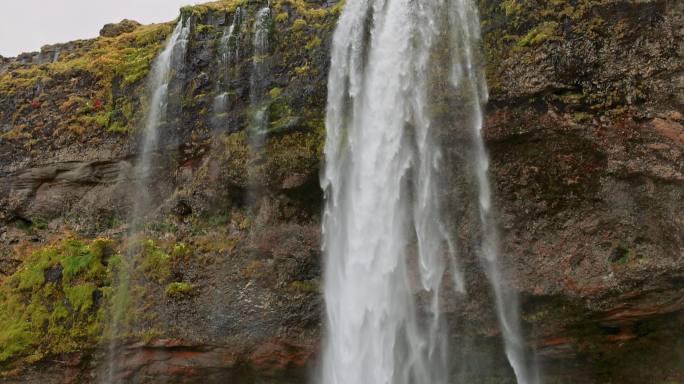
54 303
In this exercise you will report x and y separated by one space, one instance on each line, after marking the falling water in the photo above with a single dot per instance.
169 60
259 81
165 65
464 22
377 90
260 74
382 181
228 52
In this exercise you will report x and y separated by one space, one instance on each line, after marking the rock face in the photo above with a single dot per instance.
116 29
584 127
583 130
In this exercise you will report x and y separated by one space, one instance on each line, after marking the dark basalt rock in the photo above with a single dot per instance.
54 274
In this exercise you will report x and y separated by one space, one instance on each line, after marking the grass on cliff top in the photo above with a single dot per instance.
303 7
202 9
119 62
126 57
51 305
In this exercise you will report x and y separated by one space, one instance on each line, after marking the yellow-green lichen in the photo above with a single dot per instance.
539 34
153 261
108 63
179 289
306 286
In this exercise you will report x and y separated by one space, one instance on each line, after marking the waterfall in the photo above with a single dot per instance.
227 53
259 81
260 75
169 61
465 30
385 239
165 65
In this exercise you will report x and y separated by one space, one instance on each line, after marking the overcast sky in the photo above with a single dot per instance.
29 24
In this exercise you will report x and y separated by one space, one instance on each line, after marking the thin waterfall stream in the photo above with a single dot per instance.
228 54
260 75
259 81
383 212
170 60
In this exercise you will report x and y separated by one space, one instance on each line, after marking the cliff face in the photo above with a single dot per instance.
586 136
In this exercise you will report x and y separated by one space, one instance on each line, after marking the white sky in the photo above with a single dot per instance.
26 25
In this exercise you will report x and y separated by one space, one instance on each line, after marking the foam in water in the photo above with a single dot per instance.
171 59
382 176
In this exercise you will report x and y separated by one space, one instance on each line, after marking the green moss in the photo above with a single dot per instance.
302 70
102 119
201 10
179 289
81 296
205 29
150 334
118 128
119 296
539 34
77 259
511 7
306 286
280 114
299 24
296 153
180 250
309 10
32 225
281 17
581 117
41 317
39 223
315 42
153 261
275 92
623 254
108 64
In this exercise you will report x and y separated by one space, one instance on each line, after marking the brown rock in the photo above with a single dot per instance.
116 29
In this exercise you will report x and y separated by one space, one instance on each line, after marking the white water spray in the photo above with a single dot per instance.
382 181
165 65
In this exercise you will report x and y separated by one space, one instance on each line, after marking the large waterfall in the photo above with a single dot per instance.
385 239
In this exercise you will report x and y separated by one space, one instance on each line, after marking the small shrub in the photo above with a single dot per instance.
539 34
299 24
281 17
179 289
275 92
315 42
154 262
